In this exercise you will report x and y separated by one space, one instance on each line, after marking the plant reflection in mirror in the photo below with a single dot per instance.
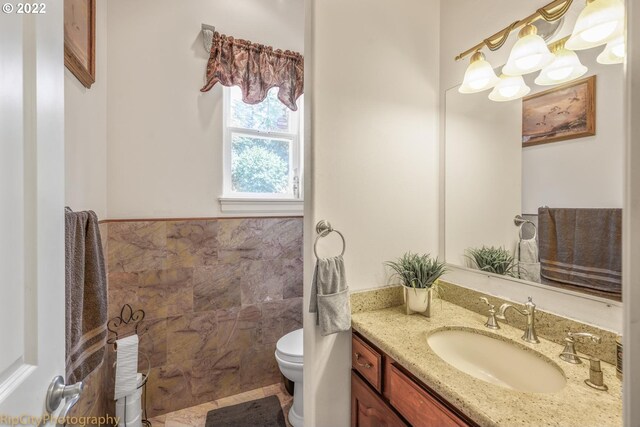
493 260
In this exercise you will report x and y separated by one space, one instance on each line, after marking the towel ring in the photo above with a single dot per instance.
520 222
535 231
324 228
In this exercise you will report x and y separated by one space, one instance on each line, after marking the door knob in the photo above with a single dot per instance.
58 392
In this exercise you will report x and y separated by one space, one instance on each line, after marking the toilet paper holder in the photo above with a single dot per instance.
129 320
126 324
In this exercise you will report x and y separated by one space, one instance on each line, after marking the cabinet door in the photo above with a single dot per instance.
416 405
368 409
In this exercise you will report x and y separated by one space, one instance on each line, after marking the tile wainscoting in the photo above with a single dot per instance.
217 293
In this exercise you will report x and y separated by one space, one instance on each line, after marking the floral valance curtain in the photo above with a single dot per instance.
255 68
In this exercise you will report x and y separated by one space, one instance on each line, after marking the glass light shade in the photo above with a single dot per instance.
509 88
529 54
565 67
614 53
599 23
479 75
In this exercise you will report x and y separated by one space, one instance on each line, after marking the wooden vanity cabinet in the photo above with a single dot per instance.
383 394
368 409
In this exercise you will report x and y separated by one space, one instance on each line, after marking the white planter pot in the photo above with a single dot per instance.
418 300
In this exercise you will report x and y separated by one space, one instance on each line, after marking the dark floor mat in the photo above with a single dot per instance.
265 412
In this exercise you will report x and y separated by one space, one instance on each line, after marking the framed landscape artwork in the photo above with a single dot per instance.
80 39
564 112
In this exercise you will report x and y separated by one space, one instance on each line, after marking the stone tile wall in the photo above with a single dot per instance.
218 294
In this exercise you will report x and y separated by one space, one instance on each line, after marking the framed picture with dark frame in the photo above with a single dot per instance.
80 39
564 112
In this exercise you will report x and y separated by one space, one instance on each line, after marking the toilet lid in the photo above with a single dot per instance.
291 345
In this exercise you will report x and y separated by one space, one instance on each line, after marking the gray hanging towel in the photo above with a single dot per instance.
330 296
528 265
86 295
582 247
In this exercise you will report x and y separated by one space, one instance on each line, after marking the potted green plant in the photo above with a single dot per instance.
419 275
493 260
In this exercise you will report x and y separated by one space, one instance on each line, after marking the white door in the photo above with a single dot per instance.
31 206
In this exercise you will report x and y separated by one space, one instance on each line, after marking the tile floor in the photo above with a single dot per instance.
196 415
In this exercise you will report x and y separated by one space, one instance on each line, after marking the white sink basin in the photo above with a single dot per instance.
496 361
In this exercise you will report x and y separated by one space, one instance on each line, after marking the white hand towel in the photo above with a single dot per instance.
330 296
126 366
529 265
529 251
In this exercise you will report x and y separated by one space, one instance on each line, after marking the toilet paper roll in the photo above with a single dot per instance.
130 407
126 366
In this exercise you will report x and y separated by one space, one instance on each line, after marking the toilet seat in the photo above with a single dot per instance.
290 347
289 351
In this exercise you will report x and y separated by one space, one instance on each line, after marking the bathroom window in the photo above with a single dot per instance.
262 155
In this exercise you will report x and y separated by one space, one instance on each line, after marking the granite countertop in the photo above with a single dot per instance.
404 338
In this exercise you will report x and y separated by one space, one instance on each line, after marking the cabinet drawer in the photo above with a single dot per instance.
416 405
367 361
368 409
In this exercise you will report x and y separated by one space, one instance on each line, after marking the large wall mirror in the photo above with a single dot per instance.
532 191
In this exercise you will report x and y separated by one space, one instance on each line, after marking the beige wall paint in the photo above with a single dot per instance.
372 92
85 128
164 135
482 189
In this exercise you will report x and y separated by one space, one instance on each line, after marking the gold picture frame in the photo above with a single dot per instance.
564 112
80 39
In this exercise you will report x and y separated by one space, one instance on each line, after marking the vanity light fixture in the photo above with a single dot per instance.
529 54
566 66
509 88
551 12
479 75
599 23
614 53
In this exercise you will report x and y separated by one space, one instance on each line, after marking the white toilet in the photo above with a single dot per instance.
290 360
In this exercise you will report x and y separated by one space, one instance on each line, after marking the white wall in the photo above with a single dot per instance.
483 187
164 135
85 129
585 172
463 24
373 99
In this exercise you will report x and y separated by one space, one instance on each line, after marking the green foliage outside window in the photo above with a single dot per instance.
260 165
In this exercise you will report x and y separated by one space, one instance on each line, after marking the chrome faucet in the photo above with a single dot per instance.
596 379
491 322
569 353
529 311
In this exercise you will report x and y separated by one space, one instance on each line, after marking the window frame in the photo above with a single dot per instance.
273 203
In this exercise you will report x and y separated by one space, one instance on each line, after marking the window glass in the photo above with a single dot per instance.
268 116
260 164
